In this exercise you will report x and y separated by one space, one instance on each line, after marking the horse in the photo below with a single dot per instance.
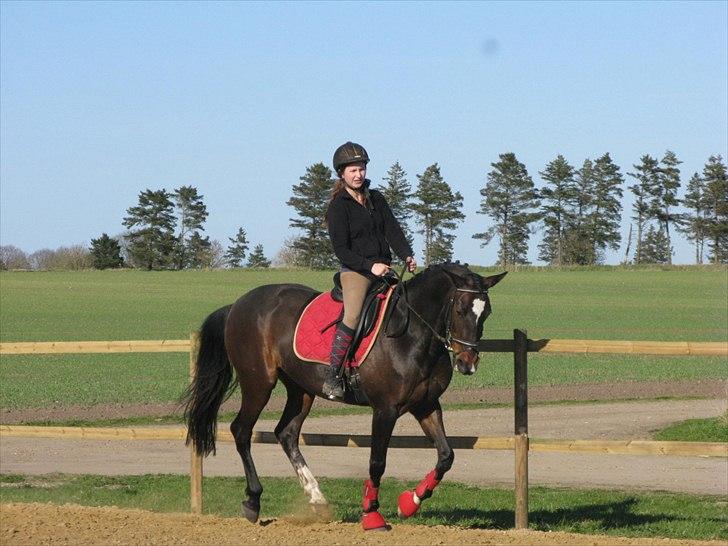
440 310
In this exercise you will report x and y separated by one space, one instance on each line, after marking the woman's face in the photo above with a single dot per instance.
354 175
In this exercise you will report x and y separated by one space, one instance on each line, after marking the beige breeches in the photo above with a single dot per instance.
354 286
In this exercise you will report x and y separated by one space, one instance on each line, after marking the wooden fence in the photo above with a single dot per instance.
520 346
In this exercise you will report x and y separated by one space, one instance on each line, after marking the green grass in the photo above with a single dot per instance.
636 514
696 430
610 303
34 381
606 303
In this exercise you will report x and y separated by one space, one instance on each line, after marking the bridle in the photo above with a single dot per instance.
448 338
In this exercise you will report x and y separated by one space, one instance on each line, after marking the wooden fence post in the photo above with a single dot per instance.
520 373
195 458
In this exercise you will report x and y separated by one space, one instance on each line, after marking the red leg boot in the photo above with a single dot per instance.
372 520
409 501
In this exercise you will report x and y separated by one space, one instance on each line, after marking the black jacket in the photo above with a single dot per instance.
361 236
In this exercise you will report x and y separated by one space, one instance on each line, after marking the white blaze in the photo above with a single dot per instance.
478 308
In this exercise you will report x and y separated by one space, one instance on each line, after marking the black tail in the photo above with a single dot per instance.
212 384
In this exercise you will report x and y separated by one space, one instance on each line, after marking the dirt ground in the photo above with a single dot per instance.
72 524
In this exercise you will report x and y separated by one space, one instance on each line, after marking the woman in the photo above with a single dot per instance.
362 228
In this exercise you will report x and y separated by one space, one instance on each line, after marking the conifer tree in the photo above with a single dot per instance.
578 246
257 258
605 216
694 222
151 239
236 251
647 180
509 198
716 195
398 194
438 211
192 213
558 199
198 251
655 248
106 252
310 200
665 198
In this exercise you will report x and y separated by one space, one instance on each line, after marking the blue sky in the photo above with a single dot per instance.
99 101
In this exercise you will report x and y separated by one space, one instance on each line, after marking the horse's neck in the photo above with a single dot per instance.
429 300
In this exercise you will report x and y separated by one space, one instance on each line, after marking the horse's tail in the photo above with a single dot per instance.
213 383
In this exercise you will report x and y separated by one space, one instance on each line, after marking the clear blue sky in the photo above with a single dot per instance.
100 101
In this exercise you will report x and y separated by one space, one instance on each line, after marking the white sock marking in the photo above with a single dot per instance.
310 485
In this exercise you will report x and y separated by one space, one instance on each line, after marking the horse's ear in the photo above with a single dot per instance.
491 281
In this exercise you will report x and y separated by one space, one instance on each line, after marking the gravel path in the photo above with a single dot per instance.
634 420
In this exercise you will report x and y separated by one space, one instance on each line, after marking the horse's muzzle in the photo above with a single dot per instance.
467 362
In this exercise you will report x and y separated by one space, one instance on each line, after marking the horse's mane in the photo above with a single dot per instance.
453 268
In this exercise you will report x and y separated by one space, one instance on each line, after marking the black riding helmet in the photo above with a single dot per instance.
349 153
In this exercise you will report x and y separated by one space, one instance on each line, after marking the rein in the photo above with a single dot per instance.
448 338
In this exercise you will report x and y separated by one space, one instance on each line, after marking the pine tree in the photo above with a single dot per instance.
192 214
558 198
438 210
398 194
509 198
694 222
257 258
647 175
665 198
578 247
716 195
236 251
655 246
106 252
310 200
152 243
605 216
198 251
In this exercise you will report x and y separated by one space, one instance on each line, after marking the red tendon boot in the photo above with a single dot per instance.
409 501
372 520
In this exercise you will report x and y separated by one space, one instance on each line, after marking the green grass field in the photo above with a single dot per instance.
696 430
636 514
610 303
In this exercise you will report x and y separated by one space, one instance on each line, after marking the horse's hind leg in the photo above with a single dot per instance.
288 432
254 400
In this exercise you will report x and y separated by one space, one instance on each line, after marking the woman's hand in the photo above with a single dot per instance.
411 264
379 269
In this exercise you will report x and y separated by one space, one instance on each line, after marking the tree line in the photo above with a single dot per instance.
579 211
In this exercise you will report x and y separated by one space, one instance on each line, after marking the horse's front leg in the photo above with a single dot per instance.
383 422
430 420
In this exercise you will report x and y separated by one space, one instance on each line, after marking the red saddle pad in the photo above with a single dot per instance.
313 345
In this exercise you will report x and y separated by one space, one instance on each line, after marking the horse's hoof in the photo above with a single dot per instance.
250 512
407 504
373 521
322 511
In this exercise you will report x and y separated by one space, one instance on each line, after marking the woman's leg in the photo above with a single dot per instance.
354 287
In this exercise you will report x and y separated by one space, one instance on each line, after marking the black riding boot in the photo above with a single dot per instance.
333 387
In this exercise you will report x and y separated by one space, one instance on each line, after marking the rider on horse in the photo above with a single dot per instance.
362 228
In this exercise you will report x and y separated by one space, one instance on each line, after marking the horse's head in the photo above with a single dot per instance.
468 307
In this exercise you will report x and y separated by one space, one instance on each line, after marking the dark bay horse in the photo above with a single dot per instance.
444 310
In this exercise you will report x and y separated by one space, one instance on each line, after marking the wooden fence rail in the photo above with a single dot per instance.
613 447
520 442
